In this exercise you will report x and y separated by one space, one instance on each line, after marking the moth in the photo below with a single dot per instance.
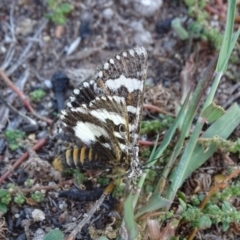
104 114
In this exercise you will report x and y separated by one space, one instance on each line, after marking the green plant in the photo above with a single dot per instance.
103 181
58 11
18 195
200 27
19 199
223 213
29 183
14 138
7 195
225 145
37 95
79 177
157 125
37 196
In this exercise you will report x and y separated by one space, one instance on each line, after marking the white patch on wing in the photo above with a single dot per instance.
106 145
103 115
131 52
118 135
86 84
106 66
131 84
89 132
69 104
80 110
135 110
72 98
63 113
62 117
100 74
124 54
111 61
119 99
141 51
132 127
76 91
118 57
123 147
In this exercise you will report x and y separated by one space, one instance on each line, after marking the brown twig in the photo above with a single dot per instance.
147 143
157 109
39 188
23 98
38 145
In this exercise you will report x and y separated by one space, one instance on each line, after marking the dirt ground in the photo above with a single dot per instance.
37 53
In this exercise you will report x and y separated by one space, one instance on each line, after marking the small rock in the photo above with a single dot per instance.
47 83
2 49
25 26
39 234
142 37
46 38
59 31
147 7
107 13
38 215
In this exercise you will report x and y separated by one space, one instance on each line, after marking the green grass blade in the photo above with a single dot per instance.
178 176
191 111
229 41
191 160
142 178
227 38
168 137
158 153
129 226
154 203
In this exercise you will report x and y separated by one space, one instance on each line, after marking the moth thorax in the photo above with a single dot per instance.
135 168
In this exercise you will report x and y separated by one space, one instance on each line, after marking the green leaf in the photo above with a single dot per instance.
212 113
179 29
213 209
66 8
3 192
183 204
154 203
37 95
225 226
204 222
3 208
54 235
